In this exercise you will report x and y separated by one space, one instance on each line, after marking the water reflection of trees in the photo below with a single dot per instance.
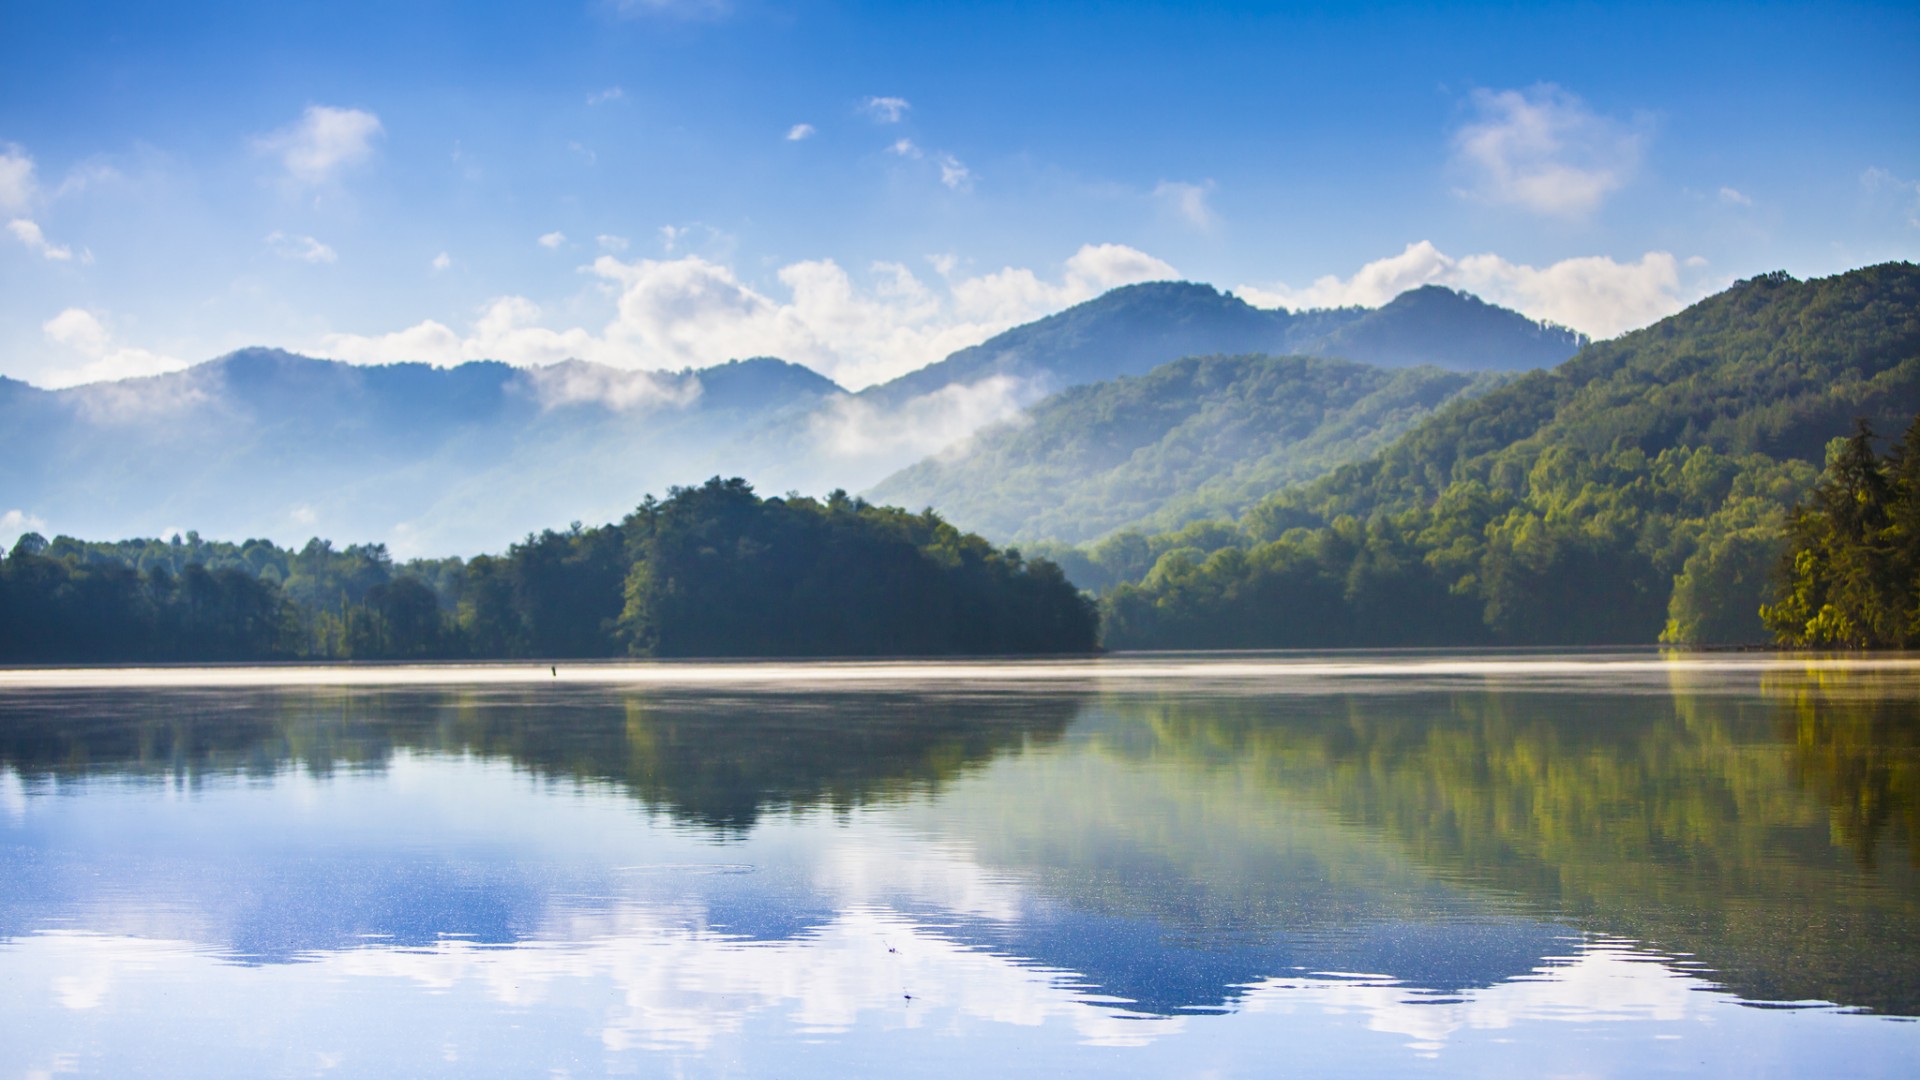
1772 837
712 760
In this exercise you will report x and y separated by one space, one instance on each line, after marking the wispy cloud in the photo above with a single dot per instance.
441 262
800 131
610 242
299 248
1595 295
953 172
886 110
601 97
29 234
552 241
324 143
1188 201
82 333
1735 197
1543 150
17 184
1881 183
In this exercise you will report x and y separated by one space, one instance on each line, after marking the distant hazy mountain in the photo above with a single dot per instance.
263 442
1136 328
1196 438
443 461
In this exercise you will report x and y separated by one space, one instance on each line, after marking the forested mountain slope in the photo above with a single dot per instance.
1636 490
1772 366
1199 437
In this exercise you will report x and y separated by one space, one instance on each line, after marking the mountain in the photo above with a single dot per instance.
1199 437
264 442
1133 329
1772 366
1632 493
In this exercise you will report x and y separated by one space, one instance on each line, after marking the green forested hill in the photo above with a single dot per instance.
713 570
1638 489
1199 437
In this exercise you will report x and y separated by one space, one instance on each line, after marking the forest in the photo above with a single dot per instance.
1638 492
1665 486
713 570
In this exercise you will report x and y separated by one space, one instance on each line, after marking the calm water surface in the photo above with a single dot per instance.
1235 865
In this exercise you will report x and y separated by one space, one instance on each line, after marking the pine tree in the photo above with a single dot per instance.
1848 577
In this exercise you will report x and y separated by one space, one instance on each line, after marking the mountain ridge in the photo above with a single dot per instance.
265 442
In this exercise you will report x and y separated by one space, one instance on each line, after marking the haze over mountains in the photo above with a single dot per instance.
465 459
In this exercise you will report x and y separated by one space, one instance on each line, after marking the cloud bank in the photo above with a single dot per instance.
1594 295
692 312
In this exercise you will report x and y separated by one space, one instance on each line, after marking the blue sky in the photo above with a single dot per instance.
865 187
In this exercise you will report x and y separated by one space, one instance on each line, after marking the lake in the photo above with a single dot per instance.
1242 864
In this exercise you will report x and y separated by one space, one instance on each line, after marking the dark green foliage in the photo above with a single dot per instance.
713 571
62 609
1649 476
1850 577
1196 438
722 572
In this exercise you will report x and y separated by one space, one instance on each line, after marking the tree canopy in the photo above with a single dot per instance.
713 570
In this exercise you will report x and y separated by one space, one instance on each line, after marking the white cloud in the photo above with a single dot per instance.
611 93
1188 201
953 173
886 110
1735 197
442 261
800 131
609 242
299 248
81 332
552 241
1595 294
584 151
1544 151
717 244
504 329
571 382
850 428
694 312
29 234
323 143
13 524
17 186
1878 181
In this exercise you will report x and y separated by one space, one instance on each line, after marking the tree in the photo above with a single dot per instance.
1847 579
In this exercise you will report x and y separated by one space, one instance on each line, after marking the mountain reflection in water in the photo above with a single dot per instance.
1137 854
